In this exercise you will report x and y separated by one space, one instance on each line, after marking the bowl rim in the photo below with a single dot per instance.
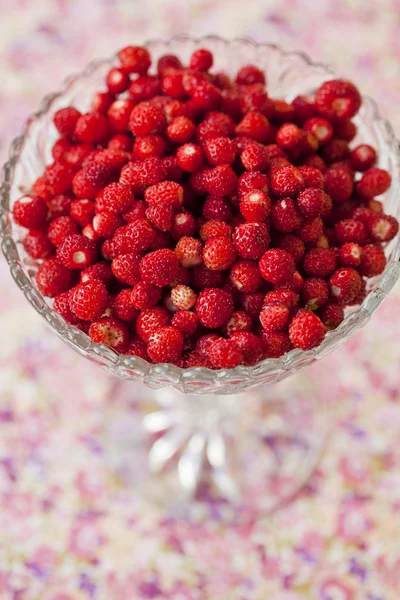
132 367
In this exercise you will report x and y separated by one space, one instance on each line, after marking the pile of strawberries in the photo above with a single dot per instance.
190 218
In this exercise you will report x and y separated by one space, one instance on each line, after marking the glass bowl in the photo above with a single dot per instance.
288 74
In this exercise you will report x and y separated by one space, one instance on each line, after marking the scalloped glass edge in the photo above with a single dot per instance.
196 380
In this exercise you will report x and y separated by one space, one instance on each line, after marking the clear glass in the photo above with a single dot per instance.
288 74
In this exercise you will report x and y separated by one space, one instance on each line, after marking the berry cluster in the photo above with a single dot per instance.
190 218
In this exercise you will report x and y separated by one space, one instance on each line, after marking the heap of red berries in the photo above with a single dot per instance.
192 219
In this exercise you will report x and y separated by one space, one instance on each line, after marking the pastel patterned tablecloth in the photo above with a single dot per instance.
68 529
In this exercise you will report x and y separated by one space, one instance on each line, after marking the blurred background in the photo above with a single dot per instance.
68 529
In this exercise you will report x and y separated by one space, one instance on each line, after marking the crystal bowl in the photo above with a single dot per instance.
259 449
288 74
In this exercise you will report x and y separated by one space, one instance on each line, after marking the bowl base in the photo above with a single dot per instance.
238 457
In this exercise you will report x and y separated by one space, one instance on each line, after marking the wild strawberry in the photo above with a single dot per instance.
100 271
215 228
65 121
289 136
311 230
82 212
363 157
123 307
321 128
172 84
292 244
250 74
251 240
121 142
88 182
249 182
281 296
306 330
345 285
246 277
304 109
219 254
88 300
350 255
145 295
60 228
314 293
110 331
190 157
214 307
250 346
201 60
252 303
137 236
77 251
137 211
339 185
165 344
337 99
141 175
206 96
137 347
219 151
187 322
117 80
222 81
319 262
146 118
212 128
275 343
239 321
105 224
161 216
274 316
135 59
255 157
38 245
335 151
61 305
284 216
189 251
311 202
172 169
144 87
217 208
287 182
181 130
183 225
331 315
225 354
373 261
253 98
92 128
350 230
276 266
383 228
115 198
151 319
149 146
255 126
294 284
159 267
166 62
101 101
283 111
125 268
345 129
30 212
183 297
59 206
202 278
316 162
166 192
313 177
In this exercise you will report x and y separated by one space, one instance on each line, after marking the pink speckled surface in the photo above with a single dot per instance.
68 529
